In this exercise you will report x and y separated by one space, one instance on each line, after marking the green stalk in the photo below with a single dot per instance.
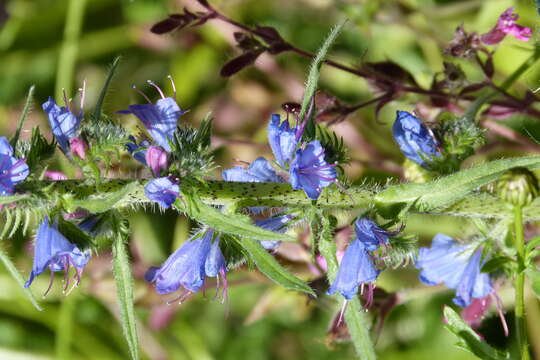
355 317
69 48
519 307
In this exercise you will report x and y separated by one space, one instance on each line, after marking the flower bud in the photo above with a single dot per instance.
416 173
518 186
78 147
156 159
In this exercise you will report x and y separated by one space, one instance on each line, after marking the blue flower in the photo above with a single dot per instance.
12 170
63 122
455 265
309 170
282 140
162 190
259 170
414 139
188 266
54 251
356 268
371 235
275 223
138 151
159 119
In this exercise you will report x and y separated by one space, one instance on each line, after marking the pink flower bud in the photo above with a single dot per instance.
55 175
506 25
156 159
78 147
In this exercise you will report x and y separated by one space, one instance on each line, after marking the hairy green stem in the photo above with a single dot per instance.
69 48
355 317
519 307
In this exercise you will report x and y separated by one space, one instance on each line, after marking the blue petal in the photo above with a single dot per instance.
185 267
454 265
63 122
50 248
473 284
12 172
160 119
356 268
282 140
414 139
163 191
259 170
276 224
309 170
5 147
370 234
138 151
215 262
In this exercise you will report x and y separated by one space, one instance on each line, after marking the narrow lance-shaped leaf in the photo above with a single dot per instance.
469 339
103 93
22 118
235 224
268 265
314 71
124 289
446 190
4 258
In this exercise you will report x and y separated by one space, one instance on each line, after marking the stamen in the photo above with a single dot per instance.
224 293
150 82
342 311
183 296
66 101
141 93
499 307
83 94
172 84
50 282
67 280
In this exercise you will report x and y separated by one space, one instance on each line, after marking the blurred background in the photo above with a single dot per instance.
260 320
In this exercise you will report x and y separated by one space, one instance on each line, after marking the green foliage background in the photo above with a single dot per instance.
260 320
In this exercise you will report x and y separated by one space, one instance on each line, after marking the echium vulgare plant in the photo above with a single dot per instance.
246 216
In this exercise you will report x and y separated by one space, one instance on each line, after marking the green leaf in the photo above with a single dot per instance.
268 265
99 104
12 198
124 289
469 339
22 117
534 276
314 71
447 190
497 263
235 224
4 258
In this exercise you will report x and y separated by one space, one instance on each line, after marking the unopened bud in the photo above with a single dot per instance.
78 147
518 186
156 159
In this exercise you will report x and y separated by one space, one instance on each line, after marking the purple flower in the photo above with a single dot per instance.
159 119
259 170
55 175
275 223
156 159
12 170
506 25
188 266
282 139
455 265
356 268
162 190
371 235
309 170
64 123
414 139
54 251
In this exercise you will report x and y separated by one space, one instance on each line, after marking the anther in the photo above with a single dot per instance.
172 84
